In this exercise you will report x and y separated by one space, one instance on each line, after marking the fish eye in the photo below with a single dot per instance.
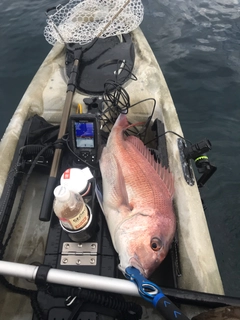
156 244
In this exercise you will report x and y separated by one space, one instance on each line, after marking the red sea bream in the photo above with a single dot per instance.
137 201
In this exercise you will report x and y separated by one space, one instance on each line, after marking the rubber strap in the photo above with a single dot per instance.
41 276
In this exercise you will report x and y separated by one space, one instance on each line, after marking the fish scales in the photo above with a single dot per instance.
137 177
136 174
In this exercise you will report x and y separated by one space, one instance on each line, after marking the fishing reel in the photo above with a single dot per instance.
196 152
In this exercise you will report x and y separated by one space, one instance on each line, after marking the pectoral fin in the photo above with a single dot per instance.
114 189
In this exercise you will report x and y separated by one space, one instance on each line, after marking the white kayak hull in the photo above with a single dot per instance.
45 96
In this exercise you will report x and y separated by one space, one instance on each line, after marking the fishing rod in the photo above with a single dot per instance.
46 209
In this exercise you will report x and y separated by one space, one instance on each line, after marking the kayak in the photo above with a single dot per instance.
191 261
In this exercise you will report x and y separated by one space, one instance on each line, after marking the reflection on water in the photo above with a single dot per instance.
197 46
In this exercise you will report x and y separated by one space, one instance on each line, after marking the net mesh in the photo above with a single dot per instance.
80 21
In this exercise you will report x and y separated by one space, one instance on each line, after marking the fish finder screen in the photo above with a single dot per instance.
84 134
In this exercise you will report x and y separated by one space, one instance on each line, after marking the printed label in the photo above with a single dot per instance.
78 222
66 174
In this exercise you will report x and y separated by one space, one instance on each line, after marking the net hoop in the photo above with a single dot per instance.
80 21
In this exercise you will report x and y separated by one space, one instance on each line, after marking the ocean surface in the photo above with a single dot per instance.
197 45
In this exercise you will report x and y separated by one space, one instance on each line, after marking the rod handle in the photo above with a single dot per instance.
169 310
46 209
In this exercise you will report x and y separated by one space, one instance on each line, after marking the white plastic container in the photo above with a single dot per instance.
77 180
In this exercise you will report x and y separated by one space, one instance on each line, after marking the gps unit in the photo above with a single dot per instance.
84 136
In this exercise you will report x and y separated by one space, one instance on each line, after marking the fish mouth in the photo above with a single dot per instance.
135 263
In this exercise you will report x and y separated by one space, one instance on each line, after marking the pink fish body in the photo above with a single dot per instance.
137 201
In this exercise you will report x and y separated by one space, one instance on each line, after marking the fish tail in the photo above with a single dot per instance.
124 124
121 121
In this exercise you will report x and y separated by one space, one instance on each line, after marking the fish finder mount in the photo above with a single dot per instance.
196 152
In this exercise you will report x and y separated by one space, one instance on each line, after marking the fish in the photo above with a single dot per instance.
137 201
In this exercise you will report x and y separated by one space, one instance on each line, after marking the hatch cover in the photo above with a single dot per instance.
107 59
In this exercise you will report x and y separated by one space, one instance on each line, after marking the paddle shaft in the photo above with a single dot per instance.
70 278
46 209
95 282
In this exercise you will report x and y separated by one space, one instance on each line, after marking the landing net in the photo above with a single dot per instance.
81 21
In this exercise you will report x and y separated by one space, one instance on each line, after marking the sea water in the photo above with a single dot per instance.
197 46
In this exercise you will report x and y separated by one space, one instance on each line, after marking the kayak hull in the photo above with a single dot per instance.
45 96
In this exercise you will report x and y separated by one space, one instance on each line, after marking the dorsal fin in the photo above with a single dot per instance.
164 173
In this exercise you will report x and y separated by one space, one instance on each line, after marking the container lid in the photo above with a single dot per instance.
76 179
61 193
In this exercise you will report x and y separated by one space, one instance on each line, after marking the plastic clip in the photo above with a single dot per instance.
147 289
152 293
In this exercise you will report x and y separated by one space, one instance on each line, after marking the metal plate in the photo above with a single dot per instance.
81 260
79 248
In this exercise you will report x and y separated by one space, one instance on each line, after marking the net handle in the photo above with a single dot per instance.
113 18
54 26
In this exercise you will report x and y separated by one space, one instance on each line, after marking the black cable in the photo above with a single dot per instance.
14 288
126 309
36 308
123 66
117 100
169 131
115 96
34 149
32 294
111 301
144 129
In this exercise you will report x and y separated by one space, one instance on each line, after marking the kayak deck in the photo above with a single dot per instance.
195 247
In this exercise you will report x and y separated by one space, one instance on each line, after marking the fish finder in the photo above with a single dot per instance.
84 136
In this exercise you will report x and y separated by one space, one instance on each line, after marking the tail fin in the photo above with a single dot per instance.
121 121
124 124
